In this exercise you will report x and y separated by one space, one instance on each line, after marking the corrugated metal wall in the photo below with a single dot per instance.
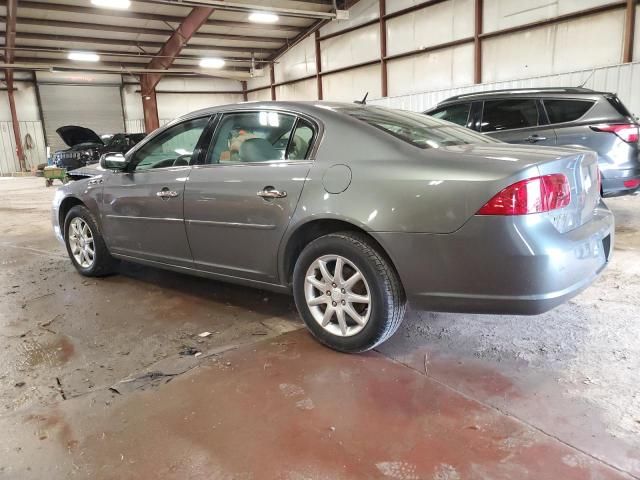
34 149
622 79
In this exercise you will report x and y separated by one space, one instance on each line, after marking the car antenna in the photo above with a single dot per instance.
363 101
588 78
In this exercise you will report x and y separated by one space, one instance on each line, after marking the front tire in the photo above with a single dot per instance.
347 292
85 245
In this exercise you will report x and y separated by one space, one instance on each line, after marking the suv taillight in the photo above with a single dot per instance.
626 131
533 195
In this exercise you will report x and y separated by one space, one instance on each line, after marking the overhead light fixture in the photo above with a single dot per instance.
263 17
211 63
119 4
84 56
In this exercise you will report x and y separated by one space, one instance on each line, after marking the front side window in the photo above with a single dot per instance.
509 114
263 136
417 129
172 148
560 111
458 114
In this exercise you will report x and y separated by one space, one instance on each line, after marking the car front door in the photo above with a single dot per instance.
143 207
240 199
517 120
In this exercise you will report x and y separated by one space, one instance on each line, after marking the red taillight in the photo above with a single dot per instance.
626 131
533 195
632 183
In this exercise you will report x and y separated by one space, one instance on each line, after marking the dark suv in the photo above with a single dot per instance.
557 116
86 147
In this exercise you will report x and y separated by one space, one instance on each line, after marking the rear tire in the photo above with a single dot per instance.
85 245
347 292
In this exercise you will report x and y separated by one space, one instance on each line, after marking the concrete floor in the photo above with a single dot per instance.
93 385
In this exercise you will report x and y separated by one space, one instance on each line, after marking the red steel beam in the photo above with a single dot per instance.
10 43
629 31
164 60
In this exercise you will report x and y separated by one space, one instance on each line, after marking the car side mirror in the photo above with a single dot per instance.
113 161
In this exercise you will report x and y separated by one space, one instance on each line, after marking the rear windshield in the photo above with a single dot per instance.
415 128
618 105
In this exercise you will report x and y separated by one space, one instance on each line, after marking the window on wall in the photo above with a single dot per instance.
560 111
262 136
509 114
458 114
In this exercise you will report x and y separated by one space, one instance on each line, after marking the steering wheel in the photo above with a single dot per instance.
182 160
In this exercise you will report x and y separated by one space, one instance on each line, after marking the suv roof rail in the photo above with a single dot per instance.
517 91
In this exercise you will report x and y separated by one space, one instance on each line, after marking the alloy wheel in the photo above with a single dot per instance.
81 242
337 295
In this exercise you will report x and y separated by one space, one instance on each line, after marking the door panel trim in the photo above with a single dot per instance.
159 219
212 223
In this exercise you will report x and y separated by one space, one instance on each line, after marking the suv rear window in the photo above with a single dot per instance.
560 111
458 114
509 114
416 128
618 105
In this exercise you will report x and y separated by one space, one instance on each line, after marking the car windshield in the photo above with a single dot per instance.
417 129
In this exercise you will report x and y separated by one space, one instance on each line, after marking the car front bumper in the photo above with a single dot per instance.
501 265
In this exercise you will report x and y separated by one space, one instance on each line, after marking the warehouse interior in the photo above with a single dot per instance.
153 373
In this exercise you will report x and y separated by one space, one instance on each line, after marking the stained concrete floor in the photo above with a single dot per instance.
92 383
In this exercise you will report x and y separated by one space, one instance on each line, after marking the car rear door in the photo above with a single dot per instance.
517 120
239 200
142 209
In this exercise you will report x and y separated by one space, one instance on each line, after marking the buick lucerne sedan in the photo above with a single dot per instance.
355 209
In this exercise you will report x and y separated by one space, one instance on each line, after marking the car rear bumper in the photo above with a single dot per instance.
620 182
501 265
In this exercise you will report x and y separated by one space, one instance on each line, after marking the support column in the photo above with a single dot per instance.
477 42
245 97
629 31
272 79
14 121
318 64
383 49
149 104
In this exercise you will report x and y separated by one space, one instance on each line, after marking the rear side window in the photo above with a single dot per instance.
560 111
417 129
458 114
509 114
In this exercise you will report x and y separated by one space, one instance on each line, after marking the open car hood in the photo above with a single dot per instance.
73 135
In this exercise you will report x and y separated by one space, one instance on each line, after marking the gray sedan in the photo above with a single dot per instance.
354 209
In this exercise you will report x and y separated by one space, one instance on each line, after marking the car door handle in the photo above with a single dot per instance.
535 138
166 194
270 192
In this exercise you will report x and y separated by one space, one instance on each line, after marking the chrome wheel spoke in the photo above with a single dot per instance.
337 273
326 318
353 279
317 301
81 242
355 298
349 310
342 323
324 271
316 283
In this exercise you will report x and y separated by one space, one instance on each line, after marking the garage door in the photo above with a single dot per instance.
96 107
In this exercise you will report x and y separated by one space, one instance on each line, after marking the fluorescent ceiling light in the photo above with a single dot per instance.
263 17
120 4
212 63
84 56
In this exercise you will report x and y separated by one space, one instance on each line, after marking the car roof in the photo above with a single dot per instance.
526 92
314 108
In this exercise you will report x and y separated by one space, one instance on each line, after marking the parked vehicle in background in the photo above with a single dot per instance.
557 116
86 147
353 208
